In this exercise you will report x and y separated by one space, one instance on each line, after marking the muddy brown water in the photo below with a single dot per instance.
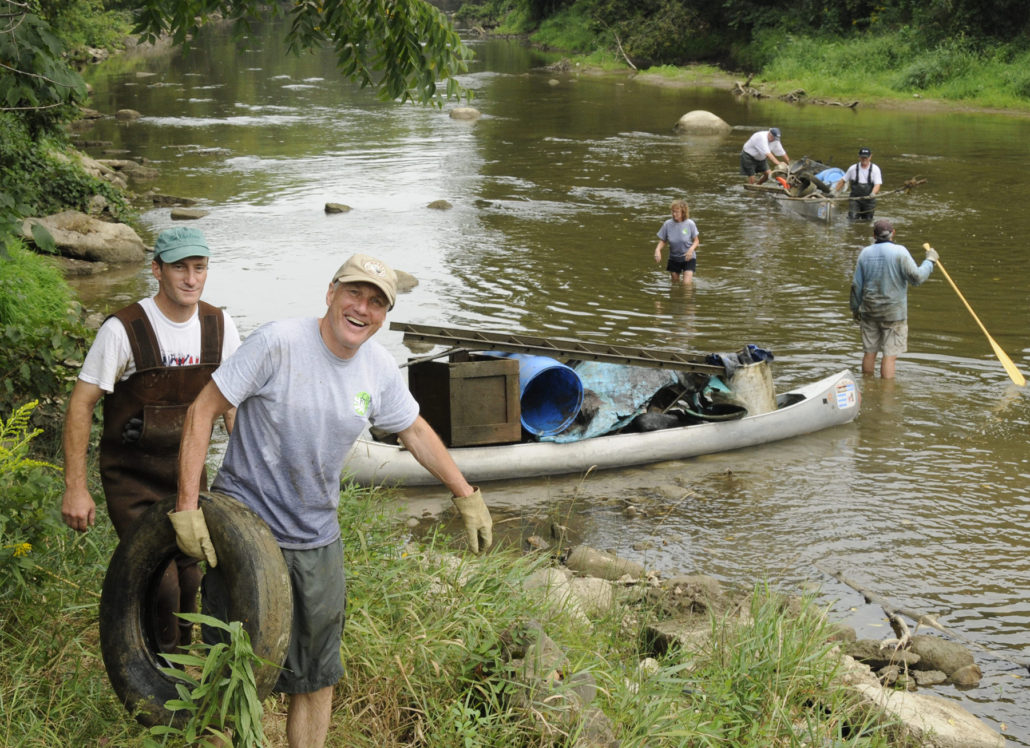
557 192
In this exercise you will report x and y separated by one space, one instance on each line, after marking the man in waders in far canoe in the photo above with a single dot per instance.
148 362
865 180
306 389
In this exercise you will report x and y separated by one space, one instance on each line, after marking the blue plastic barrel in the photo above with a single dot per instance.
550 393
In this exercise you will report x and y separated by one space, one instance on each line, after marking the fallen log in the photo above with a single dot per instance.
892 612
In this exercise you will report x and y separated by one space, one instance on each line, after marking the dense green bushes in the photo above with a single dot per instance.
42 339
37 174
853 51
748 34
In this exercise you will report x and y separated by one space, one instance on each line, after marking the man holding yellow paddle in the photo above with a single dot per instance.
879 301
879 296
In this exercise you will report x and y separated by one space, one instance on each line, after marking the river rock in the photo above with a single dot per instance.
872 654
928 678
337 208
594 595
560 703
187 214
554 588
131 169
934 722
168 201
595 563
692 593
405 281
691 634
700 122
72 268
127 115
937 653
95 168
966 677
440 205
86 238
465 112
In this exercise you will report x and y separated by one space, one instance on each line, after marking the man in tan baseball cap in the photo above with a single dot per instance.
365 269
305 390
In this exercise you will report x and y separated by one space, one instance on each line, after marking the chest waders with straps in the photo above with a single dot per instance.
140 473
862 204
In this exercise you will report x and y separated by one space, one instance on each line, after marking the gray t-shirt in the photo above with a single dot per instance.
679 235
300 408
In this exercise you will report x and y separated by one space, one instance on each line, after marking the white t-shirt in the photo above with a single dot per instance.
110 360
299 410
758 146
856 174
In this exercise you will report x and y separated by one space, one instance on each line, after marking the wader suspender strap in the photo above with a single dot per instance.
868 176
212 332
146 353
143 341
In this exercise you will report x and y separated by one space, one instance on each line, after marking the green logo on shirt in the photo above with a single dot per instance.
361 402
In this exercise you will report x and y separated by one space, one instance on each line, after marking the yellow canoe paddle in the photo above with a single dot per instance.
1014 374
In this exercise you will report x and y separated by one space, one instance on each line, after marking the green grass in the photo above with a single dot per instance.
425 651
889 66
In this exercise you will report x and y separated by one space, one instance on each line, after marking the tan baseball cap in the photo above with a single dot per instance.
366 269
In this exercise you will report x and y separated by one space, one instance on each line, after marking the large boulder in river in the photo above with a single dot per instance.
86 238
700 122
465 113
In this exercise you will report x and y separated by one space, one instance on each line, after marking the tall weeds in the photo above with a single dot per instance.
425 650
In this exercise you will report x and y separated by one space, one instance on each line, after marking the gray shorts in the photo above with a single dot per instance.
319 599
889 337
749 165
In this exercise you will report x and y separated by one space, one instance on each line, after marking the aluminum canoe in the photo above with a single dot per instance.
828 402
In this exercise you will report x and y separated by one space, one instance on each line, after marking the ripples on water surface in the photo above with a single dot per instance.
558 191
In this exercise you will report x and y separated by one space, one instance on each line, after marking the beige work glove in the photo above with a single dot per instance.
478 525
192 537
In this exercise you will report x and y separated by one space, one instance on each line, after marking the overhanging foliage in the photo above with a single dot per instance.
402 47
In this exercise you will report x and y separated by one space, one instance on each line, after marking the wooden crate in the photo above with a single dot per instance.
469 402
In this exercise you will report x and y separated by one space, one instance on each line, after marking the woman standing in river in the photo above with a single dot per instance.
681 235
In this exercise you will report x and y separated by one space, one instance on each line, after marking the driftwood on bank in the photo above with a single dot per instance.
618 42
922 619
797 96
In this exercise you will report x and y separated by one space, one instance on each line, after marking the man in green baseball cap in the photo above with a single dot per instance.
148 362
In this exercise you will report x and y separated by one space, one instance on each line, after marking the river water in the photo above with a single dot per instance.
557 193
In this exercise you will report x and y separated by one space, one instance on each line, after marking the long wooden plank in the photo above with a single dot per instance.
564 348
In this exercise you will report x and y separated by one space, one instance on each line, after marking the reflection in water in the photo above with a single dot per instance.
557 193
680 311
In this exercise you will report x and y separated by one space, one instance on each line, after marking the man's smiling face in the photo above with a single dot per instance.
356 312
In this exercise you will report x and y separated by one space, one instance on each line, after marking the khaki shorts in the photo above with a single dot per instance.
889 337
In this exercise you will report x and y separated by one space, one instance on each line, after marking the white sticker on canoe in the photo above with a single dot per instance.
847 394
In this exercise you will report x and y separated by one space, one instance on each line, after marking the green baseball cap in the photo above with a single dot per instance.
176 244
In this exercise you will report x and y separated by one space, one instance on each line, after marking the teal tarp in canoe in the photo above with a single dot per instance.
613 395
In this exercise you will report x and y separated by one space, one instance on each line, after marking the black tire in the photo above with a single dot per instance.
259 596
823 187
